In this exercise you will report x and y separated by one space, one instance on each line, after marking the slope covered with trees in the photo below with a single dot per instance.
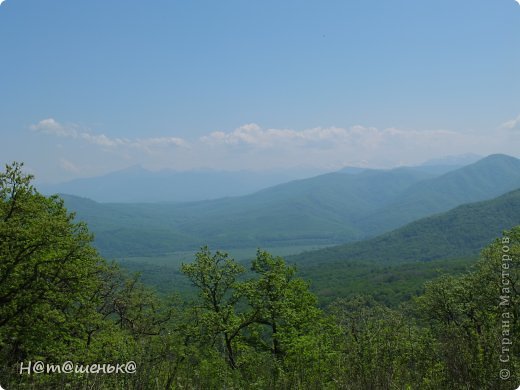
59 302
396 265
310 211
325 210
487 178
460 232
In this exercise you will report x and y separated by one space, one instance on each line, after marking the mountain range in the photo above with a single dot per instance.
137 184
391 267
328 209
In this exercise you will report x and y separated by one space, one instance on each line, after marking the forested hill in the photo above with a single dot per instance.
460 232
317 210
487 178
328 209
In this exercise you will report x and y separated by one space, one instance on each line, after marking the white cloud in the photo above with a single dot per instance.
1 1
50 126
252 134
53 127
513 124
252 147
102 140
369 137
518 1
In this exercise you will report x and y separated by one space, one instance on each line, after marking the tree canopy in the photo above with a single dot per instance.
260 328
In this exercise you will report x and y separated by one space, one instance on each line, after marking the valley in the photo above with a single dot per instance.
341 230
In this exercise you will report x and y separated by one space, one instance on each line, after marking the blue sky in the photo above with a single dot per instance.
88 87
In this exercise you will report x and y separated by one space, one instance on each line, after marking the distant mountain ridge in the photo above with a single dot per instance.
137 184
485 179
328 209
457 160
315 211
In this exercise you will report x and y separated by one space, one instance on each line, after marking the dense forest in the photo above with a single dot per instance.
257 328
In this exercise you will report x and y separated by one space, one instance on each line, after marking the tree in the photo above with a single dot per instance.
216 277
268 327
280 301
47 271
473 317
383 342
60 301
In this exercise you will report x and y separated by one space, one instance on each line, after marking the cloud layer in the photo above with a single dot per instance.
253 147
329 137
52 127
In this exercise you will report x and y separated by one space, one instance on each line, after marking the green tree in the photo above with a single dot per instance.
215 275
59 300
472 315
288 324
48 269
381 348
280 301
268 327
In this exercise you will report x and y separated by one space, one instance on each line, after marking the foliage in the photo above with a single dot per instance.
270 317
48 271
474 317
243 330
390 285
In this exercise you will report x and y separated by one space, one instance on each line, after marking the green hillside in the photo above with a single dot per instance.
394 266
460 232
391 267
389 284
485 179
260 321
303 212
329 209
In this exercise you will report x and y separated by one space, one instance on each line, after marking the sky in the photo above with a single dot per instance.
90 87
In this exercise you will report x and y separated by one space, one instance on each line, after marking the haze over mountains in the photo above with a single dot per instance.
137 184
328 209
454 160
